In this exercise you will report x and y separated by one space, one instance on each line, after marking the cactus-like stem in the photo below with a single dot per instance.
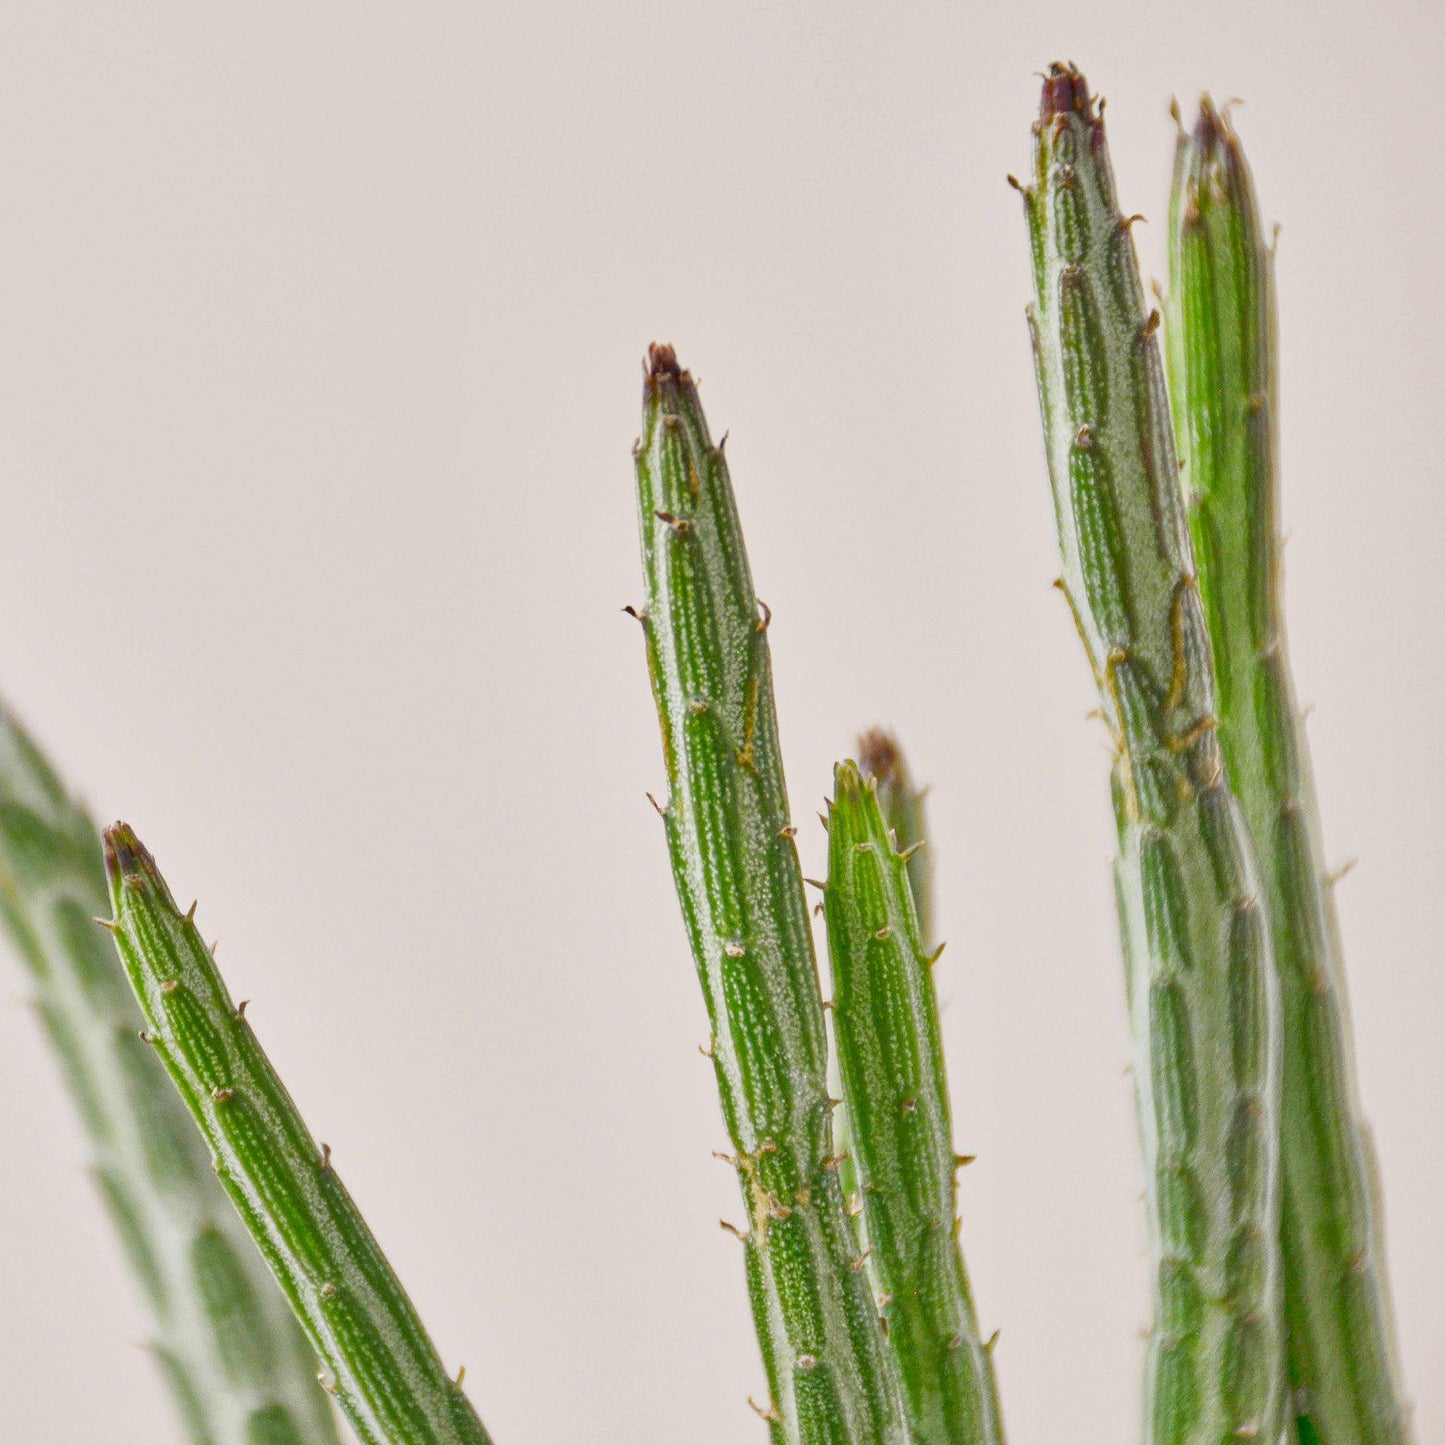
885 1018
1203 998
881 759
238 1368
738 880
1220 336
381 1365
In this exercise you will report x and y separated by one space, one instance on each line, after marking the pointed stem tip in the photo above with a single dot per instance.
662 361
1065 92
126 857
878 756
1211 127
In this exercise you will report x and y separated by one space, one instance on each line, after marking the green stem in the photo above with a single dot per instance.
885 1017
1221 335
238 1368
1201 987
383 1368
881 759
736 869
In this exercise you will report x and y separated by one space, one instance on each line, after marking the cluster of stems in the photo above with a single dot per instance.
1271 1314
237 1366
268 1294
864 1314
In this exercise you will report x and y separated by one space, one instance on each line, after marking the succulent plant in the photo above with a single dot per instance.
1343 1362
379 1361
736 869
1203 996
237 1366
1271 1317
890 1050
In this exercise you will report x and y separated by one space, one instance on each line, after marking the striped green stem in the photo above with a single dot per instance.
381 1365
238 1368
1221 328
881 759
885 1018
735 865
1202 993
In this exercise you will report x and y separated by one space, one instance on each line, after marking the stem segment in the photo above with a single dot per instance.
1202 992
881 759
1221 329
830 1377
384 1370
885 1016
238 1369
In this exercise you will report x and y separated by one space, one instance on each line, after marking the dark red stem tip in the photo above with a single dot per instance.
878 756
662 361
1065 92
125 854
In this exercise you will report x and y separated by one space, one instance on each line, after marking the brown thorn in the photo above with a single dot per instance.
326 1156
661 811
733 1230
109 924
1347 867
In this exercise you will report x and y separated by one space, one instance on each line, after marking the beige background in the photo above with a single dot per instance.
320 331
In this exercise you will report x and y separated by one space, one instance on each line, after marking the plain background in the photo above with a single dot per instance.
320 332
